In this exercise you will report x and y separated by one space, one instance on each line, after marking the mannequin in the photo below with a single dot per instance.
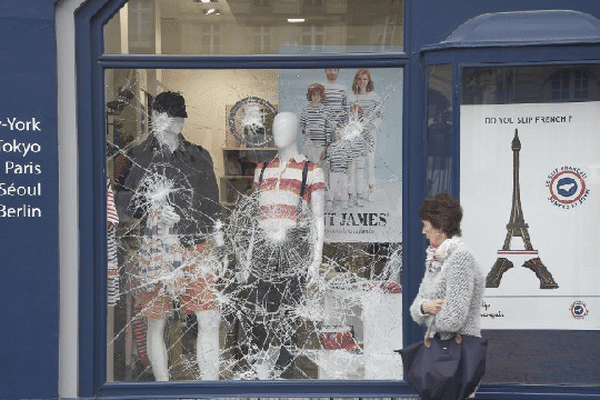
175 195
285 132
281 230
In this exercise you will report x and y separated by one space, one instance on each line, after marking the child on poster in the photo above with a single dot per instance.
315 124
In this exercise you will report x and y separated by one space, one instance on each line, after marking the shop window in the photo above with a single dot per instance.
239 306
439 129
348 26
530 84
141 29
570 85
313 3
262 39
210 38
529 179
385 31
312 37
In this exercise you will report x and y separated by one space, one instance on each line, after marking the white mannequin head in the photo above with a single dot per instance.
169 115
285 130
167 129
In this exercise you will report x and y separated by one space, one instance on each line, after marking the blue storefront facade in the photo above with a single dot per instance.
458 78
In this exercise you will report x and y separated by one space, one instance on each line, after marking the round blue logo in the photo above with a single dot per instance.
579 310
567 186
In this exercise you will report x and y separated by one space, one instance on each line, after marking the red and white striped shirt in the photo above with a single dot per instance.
280 188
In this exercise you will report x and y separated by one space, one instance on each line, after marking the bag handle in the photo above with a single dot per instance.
427 340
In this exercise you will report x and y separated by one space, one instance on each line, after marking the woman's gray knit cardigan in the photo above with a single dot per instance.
461 283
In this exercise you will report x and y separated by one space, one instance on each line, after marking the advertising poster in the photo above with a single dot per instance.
364 204
530 176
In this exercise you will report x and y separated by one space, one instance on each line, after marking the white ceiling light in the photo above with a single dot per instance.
295 20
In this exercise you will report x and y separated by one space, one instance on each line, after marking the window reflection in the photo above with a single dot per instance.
258 27
544 84
439 129
199 289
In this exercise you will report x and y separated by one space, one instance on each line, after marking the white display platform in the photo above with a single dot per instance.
379 306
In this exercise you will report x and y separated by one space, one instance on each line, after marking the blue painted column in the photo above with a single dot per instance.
28 201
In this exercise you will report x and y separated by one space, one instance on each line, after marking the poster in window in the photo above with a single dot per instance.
357 139
530 188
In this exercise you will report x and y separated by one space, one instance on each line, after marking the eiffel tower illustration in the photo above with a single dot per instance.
517 227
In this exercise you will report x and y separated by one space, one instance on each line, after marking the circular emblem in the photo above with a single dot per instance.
567 187
579 310
251 120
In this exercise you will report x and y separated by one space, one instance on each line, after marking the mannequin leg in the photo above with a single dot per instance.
157 349
207 345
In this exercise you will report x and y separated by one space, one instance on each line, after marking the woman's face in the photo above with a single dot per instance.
363 81
435 236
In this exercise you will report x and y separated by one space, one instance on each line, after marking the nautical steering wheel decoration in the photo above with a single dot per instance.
251 121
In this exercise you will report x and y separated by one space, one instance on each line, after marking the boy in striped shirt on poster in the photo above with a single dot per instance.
316 125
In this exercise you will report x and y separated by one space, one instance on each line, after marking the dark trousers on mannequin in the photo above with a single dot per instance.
275 319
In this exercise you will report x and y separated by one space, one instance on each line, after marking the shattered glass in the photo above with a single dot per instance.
252 301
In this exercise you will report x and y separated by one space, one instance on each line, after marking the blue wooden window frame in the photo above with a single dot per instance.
487 54
91 64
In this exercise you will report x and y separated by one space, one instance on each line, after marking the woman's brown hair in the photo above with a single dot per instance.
443 212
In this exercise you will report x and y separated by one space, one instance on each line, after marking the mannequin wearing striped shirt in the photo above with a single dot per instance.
284 184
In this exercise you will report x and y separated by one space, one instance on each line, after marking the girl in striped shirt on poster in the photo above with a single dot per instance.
363 94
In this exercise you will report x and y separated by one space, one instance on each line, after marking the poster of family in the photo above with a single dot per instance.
351 124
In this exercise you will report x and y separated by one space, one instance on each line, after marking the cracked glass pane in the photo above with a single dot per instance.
254 224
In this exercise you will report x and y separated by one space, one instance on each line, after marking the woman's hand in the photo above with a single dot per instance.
432 306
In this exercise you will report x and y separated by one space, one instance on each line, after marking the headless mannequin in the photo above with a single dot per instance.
285 132
166 132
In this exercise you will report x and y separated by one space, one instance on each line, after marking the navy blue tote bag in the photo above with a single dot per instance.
445 369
